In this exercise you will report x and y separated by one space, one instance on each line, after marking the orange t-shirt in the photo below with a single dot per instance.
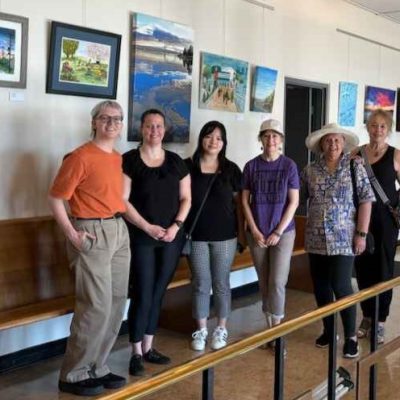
91 180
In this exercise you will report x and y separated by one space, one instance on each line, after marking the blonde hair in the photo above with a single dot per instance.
383 114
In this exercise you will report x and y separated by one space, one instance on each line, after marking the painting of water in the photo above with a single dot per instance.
263 89
161 75
347 104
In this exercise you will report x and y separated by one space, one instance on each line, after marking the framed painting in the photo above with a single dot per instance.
263 89
13 50
223 83
83 61
347 104
160 75
378 98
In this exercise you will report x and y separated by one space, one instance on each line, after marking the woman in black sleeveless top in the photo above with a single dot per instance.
378 267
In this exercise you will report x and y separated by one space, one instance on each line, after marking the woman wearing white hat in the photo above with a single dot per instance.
270 198
335 229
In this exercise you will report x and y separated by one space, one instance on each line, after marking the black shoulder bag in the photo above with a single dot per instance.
187 247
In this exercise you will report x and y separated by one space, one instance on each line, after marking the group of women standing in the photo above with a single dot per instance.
225 210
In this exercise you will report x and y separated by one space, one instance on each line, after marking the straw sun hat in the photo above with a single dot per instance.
313 139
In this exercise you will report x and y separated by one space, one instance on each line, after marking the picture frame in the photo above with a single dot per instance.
13 50
263 87
83 61
378 98
398 111
347 107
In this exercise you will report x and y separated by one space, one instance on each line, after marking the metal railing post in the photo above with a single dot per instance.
279 364
208 384
374 347
332 357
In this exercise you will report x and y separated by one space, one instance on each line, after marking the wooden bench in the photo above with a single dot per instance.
35 281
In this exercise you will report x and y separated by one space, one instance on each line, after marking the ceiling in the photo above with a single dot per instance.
389 9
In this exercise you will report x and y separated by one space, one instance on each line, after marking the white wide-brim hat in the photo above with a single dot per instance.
313 139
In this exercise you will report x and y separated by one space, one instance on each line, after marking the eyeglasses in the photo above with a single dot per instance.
105 119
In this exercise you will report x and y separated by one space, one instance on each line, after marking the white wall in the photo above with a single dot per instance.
298 38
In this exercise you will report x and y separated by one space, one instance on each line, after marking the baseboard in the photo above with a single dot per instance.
25 357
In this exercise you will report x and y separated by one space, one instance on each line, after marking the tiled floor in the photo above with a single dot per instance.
248 377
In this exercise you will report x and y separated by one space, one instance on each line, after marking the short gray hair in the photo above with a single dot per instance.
99 107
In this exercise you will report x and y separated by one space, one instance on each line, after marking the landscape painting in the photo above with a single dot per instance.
84 62
347 104
376 98
223 83
263 89
161 75
13 50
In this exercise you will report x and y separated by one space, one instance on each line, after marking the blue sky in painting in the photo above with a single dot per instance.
347 103
5 38
265 81
179 30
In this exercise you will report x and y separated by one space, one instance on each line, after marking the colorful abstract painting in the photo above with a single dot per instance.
263 89
161 75
223 83
378 98
347 104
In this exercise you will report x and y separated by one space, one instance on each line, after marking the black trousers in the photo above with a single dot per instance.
152 269
331 277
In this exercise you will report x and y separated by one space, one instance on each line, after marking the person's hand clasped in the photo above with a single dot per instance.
156 232
273 239
170 233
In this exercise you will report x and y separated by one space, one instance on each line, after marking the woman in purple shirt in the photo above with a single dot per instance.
270 198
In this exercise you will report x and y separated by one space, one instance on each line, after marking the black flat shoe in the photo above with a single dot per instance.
155 357
87 387
112 381
136 367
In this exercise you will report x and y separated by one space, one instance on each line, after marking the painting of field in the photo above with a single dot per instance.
7 51
223 83
161 75
263 89
347 103
86 63
376 98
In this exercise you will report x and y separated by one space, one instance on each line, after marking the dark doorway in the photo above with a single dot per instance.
305 111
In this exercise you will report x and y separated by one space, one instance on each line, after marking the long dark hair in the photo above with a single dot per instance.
206 130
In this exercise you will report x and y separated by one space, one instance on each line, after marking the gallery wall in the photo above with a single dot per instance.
298 38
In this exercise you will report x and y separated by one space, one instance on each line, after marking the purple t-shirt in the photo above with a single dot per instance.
268 183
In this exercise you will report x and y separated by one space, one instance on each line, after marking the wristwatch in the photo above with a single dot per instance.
361 234
178 223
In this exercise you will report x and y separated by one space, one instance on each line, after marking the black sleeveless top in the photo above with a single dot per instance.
386 175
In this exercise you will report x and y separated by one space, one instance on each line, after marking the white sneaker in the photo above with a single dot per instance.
219 339
199 339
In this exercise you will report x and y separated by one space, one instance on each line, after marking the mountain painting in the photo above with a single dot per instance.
161 75
263 89
378 98
223 83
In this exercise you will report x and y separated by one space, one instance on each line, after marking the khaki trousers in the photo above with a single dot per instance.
101 284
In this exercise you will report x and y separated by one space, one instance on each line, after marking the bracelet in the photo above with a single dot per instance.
277 233
361 234
178 223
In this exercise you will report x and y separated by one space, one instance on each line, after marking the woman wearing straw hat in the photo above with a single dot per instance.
335 230
270 198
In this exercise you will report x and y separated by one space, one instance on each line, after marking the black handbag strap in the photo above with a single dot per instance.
353 181
210 183
373 180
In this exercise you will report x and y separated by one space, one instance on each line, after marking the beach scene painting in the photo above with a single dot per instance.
83 62
263 89
376 98
223 83
161 75
347 103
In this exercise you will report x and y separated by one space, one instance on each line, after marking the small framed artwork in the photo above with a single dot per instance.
378 98
263 89
83 61
13 50
347 103
398 112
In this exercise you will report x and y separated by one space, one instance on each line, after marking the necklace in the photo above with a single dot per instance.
377 151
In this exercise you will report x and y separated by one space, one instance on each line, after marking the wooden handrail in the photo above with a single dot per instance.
176 374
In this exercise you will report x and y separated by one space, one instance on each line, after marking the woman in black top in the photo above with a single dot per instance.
379 266
157 195
215 234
